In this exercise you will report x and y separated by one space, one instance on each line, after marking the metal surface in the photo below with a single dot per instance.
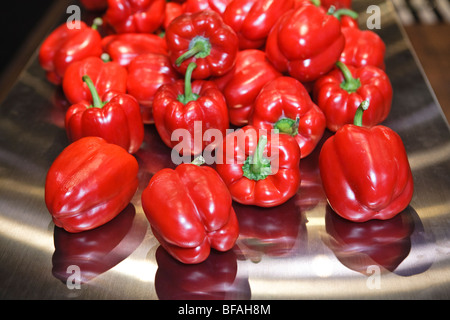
407 257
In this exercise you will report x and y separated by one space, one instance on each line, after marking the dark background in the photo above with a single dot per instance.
19 18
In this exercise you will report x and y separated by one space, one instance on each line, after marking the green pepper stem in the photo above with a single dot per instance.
315 2
342 12
288 126
200 47
357 121
96 23
257 167
188 94
96 101
349 84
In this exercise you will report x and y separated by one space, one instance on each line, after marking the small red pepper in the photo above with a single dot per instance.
65 45
365 171
89 184
124 47
284 104
190 212
107 76
306 42
253 19
202 37
181 104
341 91
117 119
242 84
252 177
362 48
126 16
146 73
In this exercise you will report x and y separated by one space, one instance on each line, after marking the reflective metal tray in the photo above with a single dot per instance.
300 250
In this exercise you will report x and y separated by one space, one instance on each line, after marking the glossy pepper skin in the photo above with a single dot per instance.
65 45
305 42
341 91
218 6
365 172
146 73
362 48
202 37
181 104
90 183
253 19
242 84
126 16
124 47
190 212
262 169
116 118
107 76
279 104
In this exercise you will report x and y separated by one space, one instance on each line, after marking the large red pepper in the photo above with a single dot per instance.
183 104
253 19
116 118
202 37
242 84
341 91
365 172
190 212
126 16
65 45
146 73
284 104
90 183
362 48
260 168
107 76
124 47
305 42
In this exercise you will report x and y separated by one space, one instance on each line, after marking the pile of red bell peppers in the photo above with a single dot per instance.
298 67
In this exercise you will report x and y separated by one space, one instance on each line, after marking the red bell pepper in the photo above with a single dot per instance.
117 119
259 168
253 19
90 183
107 76
181 104
190 212
365 171
126 16
124 47
338 4
362 48
341 91
173 10
64 46
146 73
218 6
284 104
242 84
306 42
202 37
